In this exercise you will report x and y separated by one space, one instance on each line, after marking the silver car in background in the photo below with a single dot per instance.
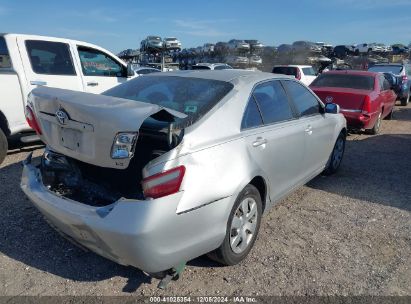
170 166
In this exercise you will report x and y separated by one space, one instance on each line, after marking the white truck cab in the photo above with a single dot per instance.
28 61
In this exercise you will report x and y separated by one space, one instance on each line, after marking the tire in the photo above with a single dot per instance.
336 156
390 116
376 128
227 254
3 146
404 100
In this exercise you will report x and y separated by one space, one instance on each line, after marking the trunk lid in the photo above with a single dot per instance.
346 98
83 125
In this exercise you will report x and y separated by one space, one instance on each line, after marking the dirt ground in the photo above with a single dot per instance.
348 234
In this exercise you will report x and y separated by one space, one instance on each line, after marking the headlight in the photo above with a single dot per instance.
123 146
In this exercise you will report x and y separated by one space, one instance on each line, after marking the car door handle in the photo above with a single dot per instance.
38 82
259 142
92 83
309 130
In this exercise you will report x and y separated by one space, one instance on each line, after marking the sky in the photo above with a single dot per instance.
119 25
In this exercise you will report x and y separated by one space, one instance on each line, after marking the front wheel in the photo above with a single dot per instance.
336 155
3 146
242 228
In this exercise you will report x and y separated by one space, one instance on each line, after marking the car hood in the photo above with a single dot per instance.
92 122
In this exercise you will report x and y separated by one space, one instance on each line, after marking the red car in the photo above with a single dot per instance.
365 98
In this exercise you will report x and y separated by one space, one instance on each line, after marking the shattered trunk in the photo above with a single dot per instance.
99 186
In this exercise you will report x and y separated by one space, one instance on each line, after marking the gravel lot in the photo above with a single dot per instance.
348 234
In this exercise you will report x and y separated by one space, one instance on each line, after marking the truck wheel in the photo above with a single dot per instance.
3 146
242 228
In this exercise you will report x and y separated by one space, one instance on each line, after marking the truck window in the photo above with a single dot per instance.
50 58
5 62
97 63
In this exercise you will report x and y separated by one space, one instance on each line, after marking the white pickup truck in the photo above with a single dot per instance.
27 62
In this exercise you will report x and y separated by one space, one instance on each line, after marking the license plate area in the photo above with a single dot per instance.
70 138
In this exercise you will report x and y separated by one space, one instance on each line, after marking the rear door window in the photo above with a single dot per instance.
97 63
304 101
272 102
50 58
5 61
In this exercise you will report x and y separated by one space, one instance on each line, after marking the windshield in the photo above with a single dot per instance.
395 69
308 71
191 96
359 82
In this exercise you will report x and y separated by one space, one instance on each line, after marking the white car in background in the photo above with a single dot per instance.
304 73
172 43
367 48
29 62
256 60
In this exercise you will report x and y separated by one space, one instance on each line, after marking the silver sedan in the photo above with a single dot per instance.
170 166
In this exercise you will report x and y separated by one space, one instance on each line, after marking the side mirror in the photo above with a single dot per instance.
130 71
332 108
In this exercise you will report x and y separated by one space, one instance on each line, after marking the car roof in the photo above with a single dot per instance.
353 72
225 75
293 66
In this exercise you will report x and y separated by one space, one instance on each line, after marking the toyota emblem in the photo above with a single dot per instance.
62 116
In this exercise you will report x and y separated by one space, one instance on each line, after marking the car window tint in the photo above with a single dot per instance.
273 102
360 82
221 67
308 71
304 100
5 61
51 58
191 96
252 117
97 63
285 70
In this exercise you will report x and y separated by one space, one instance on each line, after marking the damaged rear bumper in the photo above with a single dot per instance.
146 234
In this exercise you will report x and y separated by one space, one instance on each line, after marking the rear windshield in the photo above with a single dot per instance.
308 71
5 61
395 69
200 67
359 82
285 70
191 96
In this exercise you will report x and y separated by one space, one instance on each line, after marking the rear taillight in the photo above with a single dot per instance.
366 107
32 120
298 74
404 79
164 183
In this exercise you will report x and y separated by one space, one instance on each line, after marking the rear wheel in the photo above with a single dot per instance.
242 228
336 155
3 146
390 116
404 100
376 129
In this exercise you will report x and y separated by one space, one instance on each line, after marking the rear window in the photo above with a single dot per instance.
5 62
191 96
200 67
395 69
359 82
285 70
308 71
51 58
